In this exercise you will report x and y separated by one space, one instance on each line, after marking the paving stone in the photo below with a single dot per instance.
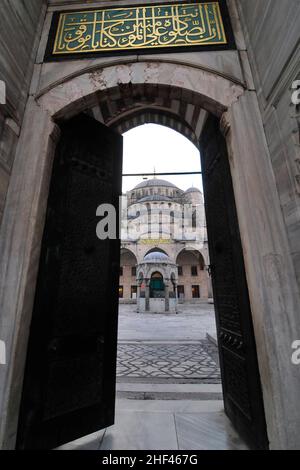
185 361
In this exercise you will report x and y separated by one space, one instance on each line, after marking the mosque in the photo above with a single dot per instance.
164 252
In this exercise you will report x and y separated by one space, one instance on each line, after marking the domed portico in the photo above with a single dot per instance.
157 279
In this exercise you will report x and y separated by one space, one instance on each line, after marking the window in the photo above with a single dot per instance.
172 220
133 292
194 271
133 271
180 292
121 270
194 219
196 292
160 225
121 292
180 271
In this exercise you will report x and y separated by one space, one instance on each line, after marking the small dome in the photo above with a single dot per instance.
157 256
193 190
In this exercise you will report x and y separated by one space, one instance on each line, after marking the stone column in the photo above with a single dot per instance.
147 295
176 297
138 294
209 284
167 298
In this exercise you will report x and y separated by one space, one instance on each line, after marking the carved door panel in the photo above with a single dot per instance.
237 348
69 384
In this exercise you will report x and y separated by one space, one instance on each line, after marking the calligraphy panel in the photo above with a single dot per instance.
140 28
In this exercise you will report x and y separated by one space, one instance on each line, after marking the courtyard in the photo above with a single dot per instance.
164 348
169 393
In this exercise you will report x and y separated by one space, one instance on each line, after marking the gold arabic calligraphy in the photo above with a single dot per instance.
140 27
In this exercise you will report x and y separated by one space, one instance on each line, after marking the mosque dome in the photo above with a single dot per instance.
154 182
157 257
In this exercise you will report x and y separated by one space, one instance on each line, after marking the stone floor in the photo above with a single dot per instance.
196 361
192 323
159 347
168 391
161 425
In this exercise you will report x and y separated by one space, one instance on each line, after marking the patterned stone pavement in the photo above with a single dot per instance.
196 361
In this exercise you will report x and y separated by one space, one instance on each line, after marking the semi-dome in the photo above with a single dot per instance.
155 182
157 256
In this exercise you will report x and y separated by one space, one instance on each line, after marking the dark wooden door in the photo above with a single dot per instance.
69 384
239 367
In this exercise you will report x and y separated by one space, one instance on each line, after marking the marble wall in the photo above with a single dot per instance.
273 41
20 28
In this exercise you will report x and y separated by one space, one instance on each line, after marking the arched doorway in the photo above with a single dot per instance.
157 286
86 170
213 93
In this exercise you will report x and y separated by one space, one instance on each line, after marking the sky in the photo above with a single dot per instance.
152 146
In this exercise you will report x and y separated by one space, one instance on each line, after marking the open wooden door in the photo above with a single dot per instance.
239 367
69 383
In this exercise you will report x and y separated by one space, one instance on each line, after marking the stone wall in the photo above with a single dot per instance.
20 27
273 40
187 281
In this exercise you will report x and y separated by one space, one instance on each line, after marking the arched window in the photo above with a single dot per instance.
194 219
172 224
160 224
149 218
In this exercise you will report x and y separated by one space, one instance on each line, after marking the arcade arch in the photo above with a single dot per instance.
128 284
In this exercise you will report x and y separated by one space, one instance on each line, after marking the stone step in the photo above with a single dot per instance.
159 391
170 406
212 337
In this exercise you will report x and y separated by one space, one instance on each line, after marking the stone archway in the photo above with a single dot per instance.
192 274
209 90
153 250
156 283
269 269
128 264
